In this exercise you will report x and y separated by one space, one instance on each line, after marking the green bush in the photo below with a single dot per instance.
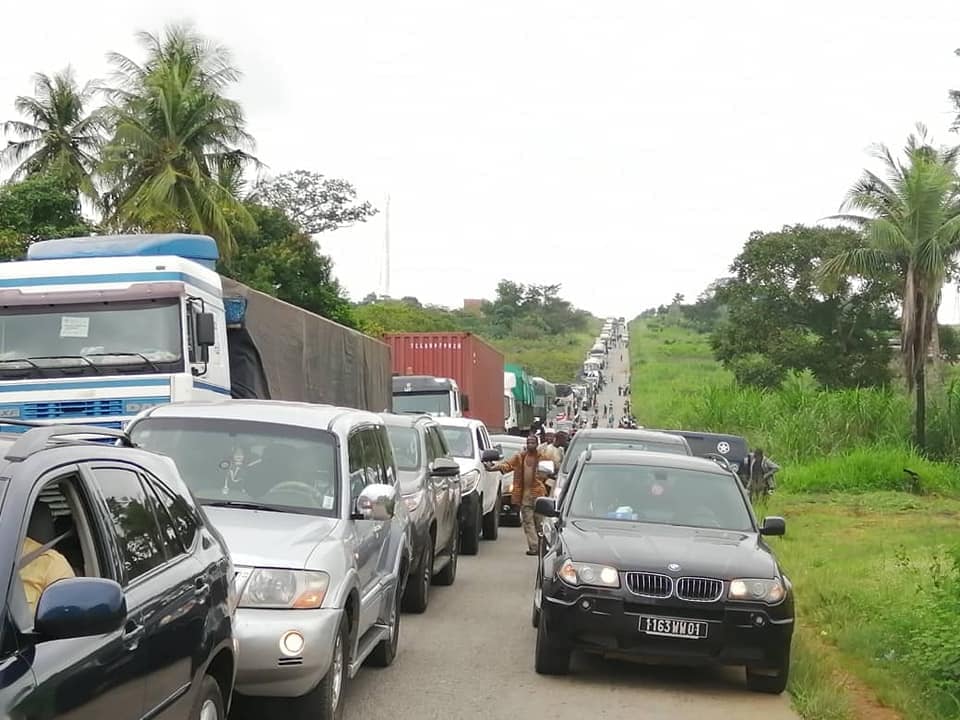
756 370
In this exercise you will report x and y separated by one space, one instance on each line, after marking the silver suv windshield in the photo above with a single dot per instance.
245 463
664 496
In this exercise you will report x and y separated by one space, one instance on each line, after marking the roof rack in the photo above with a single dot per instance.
40 436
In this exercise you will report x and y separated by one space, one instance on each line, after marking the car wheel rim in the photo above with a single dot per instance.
337 673
209 710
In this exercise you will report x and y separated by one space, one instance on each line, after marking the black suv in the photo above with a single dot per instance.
138 619
659 556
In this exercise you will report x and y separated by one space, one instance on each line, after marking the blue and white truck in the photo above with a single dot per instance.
97 329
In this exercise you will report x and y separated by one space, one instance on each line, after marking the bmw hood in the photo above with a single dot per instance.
724 554
258 538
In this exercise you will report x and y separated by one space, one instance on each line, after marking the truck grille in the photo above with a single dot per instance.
699 589
650 584
71 408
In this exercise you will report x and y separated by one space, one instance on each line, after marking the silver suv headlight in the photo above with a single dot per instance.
277 589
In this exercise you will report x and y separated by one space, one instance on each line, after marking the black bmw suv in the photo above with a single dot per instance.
116 595
659 557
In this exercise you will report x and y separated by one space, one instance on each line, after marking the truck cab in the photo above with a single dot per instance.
100 328
425 394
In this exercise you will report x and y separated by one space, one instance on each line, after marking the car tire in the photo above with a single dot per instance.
386 650
491 524
535 613
770 684
325 701
550 658
470 534
449 572
416 597
210 704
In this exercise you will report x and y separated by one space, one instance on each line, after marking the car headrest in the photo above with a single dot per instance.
41 527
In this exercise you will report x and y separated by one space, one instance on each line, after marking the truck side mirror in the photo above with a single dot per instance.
465 403
206 330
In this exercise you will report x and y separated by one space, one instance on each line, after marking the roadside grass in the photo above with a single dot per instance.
556 358
876 569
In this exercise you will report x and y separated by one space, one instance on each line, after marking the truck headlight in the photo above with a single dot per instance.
469 481
270 588
757 590
574 573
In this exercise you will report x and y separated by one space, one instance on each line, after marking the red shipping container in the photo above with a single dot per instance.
475 365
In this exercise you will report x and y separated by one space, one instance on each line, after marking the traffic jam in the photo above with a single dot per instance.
204 503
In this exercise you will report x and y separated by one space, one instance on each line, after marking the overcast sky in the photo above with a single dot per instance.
624 149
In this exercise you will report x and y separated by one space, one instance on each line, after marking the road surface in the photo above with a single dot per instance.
471 656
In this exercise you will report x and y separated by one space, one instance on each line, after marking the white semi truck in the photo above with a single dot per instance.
97 329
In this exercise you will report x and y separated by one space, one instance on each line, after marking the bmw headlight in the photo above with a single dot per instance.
757 590
469 481
270 588
574 573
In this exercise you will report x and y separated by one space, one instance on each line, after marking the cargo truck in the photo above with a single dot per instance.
453 374
518 399
97 329
545 393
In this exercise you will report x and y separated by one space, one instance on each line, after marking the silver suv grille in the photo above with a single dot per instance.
699 589
650 584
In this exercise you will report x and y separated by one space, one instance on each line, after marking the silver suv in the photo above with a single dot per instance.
306 498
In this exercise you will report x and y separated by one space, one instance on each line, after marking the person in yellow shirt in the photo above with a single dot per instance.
41 572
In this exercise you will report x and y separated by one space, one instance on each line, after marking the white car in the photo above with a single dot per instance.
471 446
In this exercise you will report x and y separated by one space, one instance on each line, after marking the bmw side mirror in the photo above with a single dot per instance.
80 607
773 526
546 506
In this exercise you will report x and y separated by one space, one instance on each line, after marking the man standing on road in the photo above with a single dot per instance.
528 485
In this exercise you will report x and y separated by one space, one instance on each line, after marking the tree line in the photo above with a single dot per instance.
841 301
162 148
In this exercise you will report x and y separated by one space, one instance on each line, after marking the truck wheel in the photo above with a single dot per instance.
386 650
491 524
449 572
470 534
325 701
550 658
417 595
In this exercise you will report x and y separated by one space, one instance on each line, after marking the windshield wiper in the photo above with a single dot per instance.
243 504
81 358
146 361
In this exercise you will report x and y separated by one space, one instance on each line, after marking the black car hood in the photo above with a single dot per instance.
723 554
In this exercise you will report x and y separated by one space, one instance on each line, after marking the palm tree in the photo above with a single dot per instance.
58 133
175 138
912 223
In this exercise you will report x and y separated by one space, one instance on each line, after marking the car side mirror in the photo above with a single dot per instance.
773 526
80 607
377 502
546 506
491 455
444 467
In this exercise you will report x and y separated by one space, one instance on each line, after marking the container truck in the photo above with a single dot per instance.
545 393
453 374
97 329
518 398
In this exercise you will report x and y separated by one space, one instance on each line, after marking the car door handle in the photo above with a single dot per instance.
201 587
132 632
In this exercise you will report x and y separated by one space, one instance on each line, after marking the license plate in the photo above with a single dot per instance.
673 627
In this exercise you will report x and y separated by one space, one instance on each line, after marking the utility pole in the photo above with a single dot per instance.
386 249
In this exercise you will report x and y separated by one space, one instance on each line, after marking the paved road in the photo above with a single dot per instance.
471 656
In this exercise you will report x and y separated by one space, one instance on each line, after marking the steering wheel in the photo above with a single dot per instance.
296 487
723 461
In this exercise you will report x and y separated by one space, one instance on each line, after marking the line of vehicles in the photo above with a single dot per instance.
265 548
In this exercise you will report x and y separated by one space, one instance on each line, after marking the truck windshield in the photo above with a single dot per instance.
91 339
460 440
432 403
249 464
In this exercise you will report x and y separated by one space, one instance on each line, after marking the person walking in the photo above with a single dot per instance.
528 485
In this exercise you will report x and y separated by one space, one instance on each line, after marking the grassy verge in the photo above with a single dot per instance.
556 358
876 569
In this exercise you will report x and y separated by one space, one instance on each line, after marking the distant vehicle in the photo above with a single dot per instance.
307 499
471 447
509 446
545 393
519 399
472 368
732 448
621 438
430 488
145 628
659 556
